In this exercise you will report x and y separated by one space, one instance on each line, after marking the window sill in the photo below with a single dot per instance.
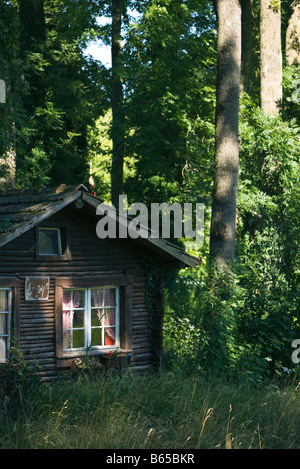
74 353
65 360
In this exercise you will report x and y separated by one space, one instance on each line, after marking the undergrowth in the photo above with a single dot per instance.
159 410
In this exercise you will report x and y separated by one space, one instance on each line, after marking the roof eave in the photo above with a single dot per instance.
158 245
36 219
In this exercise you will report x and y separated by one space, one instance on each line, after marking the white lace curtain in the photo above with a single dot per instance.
102 298
3 300
3 322
71 299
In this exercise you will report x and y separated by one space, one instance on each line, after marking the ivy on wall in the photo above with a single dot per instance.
154 304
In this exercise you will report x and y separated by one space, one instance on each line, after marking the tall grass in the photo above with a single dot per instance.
157 411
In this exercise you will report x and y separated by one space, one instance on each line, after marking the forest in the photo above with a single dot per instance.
200 104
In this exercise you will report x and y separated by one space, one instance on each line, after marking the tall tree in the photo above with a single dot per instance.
247 42
270 56
32 40
63 91
223 220
293 35
117 103
9 111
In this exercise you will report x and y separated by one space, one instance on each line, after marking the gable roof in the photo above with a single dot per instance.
21 210
24 209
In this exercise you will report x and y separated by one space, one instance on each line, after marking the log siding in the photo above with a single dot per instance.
91 258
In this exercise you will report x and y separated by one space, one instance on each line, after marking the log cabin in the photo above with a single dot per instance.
65 293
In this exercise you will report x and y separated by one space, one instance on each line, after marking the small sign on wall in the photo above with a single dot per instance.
37 288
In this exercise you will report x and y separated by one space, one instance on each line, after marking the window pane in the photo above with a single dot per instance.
78 299
49 241
110 336
3 300
67 343
67 319
97 297
67 299
96 317
5 307
3 324
96 336
78 318
78 338
110 297
3 348
110 317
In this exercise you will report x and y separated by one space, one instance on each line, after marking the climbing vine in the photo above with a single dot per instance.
154 305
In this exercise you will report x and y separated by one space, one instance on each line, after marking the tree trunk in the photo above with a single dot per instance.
32 40
271 59
117 104
32 24
8 159
222 232
247 42
293 36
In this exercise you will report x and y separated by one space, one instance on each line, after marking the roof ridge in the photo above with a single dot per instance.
16 196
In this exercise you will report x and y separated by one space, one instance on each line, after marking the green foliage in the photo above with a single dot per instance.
204 314
247 323
9 72
100 154
275 5
54 90
268 241
181 344
269 151
169 100
19 381
291 93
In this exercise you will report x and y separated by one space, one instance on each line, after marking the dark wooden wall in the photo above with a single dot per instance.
90 256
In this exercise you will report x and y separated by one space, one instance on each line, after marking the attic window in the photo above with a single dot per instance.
50 241
53 241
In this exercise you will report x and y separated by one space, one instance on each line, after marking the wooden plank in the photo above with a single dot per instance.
73 282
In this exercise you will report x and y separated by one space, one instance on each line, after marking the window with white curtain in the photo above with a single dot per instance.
90 317
5 315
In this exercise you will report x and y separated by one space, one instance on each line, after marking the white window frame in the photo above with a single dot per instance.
59 244
87 320
7 336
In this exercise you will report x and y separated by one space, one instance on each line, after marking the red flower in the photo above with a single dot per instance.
110 354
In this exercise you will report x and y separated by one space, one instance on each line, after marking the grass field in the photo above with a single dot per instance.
156 411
